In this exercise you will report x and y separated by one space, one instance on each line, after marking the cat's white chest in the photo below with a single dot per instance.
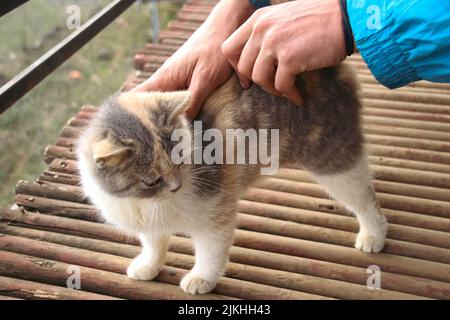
184 212
145 215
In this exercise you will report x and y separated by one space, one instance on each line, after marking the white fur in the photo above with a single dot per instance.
156 220
353 189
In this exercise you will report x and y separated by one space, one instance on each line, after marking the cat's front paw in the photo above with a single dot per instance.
142 269
370 243
194 284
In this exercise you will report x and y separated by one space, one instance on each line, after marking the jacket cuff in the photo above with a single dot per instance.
370 24
260 3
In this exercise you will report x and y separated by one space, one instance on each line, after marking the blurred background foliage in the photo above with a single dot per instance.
88 77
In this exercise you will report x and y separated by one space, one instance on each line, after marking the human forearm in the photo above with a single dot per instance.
403 42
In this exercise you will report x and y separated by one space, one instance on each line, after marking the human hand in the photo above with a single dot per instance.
279 42
199 64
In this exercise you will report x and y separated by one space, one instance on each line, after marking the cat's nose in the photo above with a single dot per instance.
174 182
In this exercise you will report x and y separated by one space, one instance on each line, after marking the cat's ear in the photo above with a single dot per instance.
177 103
106 153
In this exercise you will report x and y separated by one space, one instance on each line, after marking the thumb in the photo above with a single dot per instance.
159 81
200 89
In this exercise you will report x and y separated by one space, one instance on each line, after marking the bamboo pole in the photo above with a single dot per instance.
408 89
424 192
407 123
400 228
412 143
258 241
332 206
186 16
227 287
443 99
65 142
407 114
51 190
69 132
168 41
93 280
395 131
325 235
68 166
389 201
409 164
235 271
408 153
341 255
58 207
430 109
151 47
50 176
77 122
401 175
295 267
24 289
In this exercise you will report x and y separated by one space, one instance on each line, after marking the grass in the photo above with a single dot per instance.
88 77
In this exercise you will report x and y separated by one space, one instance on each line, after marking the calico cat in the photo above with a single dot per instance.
128 173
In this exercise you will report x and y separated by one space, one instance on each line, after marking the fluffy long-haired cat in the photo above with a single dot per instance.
128 173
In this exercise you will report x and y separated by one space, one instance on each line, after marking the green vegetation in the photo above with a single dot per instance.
88 77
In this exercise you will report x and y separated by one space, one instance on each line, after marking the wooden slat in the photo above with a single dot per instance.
23 289
272 277
239 255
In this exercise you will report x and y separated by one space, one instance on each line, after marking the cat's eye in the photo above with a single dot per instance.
151 183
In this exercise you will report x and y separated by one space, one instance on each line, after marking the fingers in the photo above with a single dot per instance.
233 46
200 90
264 72
159 81
233 49
247 59
285 84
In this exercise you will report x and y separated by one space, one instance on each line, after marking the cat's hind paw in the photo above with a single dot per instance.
369 243
141 269
193 284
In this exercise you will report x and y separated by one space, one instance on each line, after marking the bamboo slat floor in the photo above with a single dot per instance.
293 242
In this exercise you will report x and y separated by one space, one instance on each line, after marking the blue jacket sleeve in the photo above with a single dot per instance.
260 3
403 41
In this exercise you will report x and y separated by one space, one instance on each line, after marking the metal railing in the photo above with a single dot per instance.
10 5
26 80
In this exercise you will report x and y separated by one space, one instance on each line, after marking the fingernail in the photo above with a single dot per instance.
297 100
245 84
